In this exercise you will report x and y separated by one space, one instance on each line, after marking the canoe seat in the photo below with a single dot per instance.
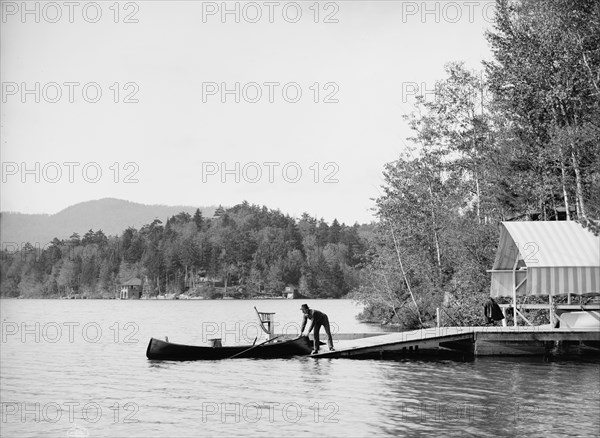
267 322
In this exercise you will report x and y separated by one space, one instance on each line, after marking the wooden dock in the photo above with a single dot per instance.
469 341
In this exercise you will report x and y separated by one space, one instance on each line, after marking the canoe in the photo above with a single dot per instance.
162 350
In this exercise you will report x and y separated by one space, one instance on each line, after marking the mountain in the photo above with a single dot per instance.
110 215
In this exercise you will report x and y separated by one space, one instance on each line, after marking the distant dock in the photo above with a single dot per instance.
469 341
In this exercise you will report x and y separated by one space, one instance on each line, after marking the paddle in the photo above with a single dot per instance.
253 347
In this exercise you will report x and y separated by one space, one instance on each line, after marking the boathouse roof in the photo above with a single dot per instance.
546 258
132 282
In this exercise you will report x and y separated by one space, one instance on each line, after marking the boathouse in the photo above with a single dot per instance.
290 292
131 289
547 259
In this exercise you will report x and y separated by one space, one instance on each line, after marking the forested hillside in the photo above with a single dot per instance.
243 251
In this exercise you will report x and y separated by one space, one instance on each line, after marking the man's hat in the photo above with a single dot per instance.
304 306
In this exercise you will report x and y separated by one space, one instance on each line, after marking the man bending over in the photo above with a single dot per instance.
317 319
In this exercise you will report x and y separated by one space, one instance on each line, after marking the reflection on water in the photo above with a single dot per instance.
104 386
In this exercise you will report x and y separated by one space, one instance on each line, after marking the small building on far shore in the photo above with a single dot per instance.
131 289
291 292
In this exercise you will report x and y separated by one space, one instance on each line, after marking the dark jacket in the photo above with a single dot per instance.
492 311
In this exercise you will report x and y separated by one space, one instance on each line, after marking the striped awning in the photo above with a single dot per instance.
553 258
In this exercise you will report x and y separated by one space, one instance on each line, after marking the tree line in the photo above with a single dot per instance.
243 251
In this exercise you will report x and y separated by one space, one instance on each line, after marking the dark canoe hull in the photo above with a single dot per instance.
161 350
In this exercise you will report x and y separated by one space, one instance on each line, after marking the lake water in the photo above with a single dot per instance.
78 368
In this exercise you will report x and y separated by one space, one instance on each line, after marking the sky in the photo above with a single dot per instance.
293 105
